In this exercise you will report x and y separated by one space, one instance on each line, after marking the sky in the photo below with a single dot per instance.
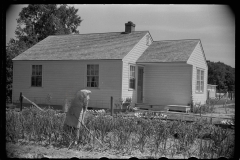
214 25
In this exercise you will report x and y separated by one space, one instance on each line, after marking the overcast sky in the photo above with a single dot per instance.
213 24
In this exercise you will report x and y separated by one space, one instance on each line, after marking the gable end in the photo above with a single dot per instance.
194 57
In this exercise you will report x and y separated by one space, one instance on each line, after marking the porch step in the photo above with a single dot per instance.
178 108
151 107
154 107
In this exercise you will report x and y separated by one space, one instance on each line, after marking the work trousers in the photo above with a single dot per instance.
69 130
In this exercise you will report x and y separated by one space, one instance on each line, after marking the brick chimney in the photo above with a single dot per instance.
129 27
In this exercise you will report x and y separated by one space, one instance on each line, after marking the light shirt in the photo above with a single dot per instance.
77 109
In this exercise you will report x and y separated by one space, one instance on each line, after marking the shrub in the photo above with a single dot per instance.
203 109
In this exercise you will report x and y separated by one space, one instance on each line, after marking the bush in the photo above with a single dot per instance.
203 109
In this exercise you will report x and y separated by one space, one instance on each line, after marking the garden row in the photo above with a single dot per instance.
155 137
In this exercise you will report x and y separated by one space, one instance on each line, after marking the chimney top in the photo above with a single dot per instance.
129 27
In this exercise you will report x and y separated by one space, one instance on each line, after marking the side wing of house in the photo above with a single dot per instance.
167 84
129 63
199 74
62 79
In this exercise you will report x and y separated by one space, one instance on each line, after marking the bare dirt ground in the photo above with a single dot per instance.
30 150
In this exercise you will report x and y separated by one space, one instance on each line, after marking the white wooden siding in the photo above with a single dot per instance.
167 84
62 79
197 60
131 58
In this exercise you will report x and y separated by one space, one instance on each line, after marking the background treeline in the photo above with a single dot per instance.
221 75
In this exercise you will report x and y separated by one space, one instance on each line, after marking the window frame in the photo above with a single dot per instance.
132 77
200 80
89 74
34 66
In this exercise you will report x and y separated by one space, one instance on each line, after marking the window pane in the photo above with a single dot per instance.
96 72
33 70
132 83
33 81
92 84
198 86
96 84
39 81
88 72
198 74
202 75
37 70
92 67
92 78
92 72
40 69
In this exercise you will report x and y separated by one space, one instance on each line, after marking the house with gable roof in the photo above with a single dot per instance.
119 64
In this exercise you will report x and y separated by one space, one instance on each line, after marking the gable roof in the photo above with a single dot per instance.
113 45
169 51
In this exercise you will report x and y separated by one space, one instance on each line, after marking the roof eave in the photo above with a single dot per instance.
175 62
63 59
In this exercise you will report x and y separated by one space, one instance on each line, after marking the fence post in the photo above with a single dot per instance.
200 111
111 103
20 99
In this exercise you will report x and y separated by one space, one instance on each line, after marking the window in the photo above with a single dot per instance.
200 81
92 75
132 78
36 79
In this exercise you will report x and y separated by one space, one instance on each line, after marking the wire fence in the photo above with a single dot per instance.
60 102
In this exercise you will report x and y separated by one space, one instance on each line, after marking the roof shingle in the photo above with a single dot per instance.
113 45
169 51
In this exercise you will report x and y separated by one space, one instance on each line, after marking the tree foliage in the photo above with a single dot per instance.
36 22
221 75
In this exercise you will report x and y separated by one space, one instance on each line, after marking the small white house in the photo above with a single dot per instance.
118 64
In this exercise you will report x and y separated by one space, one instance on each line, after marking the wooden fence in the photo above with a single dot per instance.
228 95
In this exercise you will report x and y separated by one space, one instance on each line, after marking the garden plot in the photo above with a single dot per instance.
123 137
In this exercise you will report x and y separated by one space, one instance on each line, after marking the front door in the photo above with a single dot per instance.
140 85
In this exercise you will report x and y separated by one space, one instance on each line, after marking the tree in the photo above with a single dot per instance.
221 75
36 22
13 49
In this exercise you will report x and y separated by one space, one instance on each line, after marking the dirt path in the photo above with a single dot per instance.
37 151
19 150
